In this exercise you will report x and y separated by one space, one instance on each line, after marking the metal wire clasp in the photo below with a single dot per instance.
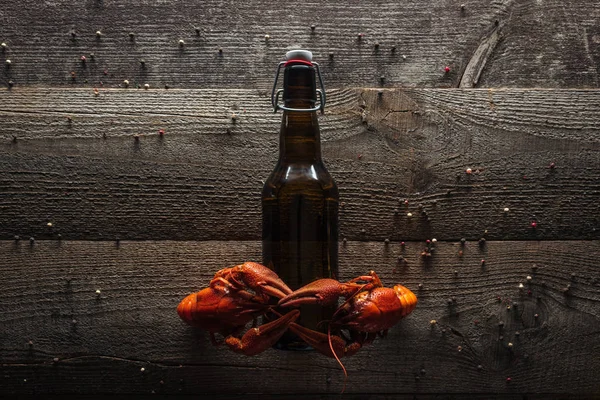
276 93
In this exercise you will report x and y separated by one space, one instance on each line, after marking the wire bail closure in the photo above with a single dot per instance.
276 93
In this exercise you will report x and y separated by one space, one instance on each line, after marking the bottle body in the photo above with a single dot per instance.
300 223
300 205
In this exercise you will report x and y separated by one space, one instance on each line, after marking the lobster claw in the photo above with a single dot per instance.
254 276
327 291
321 292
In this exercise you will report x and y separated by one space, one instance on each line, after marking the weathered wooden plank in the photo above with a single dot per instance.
156 394
498 44
200 182
101 341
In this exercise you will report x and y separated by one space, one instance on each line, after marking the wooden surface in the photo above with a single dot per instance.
519 107
522 43
132 323
413 144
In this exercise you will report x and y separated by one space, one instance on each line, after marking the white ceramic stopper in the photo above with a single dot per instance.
299 55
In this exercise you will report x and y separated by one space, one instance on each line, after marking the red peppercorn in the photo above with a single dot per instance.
534 224
161 132
447 69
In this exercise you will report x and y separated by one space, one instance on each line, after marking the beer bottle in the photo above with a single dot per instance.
300 198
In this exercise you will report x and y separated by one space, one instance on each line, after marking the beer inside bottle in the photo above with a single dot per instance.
300 199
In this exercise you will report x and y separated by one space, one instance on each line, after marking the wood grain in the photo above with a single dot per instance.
101 341
81 159
159 394
91 179
546 44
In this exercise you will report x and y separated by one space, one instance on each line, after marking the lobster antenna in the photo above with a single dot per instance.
333 352
329 335
324 321
337 359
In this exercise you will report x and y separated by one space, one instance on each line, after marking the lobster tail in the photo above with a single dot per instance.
186 308
407 299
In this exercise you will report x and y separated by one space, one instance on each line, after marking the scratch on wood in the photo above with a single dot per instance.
586 45
392 112
478 60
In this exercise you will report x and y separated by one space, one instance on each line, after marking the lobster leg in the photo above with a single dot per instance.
244 294
324 343
372 279
257 340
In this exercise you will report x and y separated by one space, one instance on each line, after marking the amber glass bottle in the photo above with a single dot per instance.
300 198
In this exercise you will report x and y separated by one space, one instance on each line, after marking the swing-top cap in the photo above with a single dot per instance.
298 58
303 55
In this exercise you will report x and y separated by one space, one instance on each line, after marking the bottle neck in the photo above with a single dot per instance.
299 137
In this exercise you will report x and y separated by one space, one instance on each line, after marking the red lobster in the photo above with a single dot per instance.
240 294
227 305
369 311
